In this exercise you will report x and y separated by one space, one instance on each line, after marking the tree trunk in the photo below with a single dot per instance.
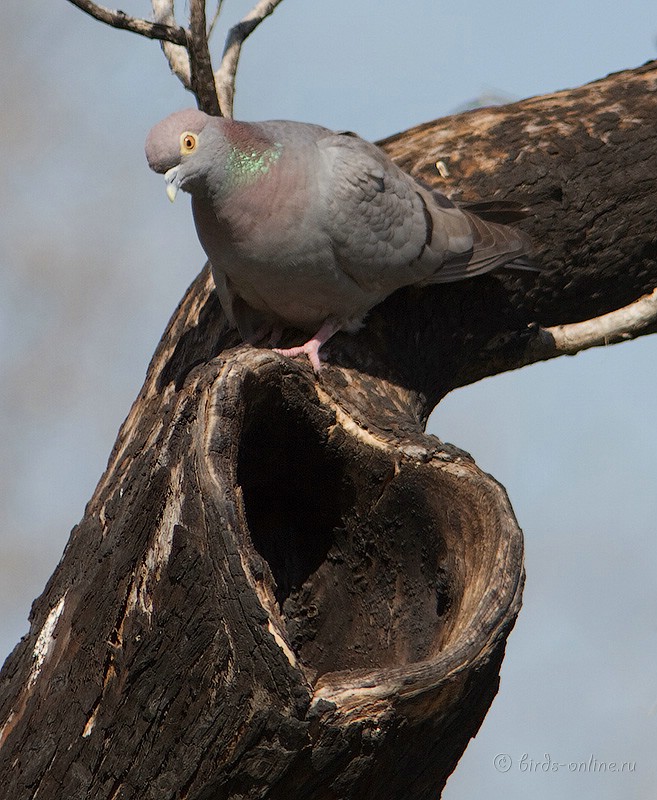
282 587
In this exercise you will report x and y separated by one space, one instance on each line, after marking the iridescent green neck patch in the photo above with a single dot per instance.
245 166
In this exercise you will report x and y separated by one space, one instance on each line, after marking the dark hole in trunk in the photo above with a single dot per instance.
292 488
355 541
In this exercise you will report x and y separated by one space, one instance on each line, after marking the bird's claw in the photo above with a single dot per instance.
310 349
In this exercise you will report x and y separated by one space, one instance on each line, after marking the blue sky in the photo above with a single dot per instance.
93 260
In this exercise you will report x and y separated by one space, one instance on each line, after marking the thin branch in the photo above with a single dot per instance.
119 19
203 84
175 54
617 326
225 76
526 347
187 50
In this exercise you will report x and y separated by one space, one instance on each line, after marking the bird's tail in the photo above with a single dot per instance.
505 212
494 245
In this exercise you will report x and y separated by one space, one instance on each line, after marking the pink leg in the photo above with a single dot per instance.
311 347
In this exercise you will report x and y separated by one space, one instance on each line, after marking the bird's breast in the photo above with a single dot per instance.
278 258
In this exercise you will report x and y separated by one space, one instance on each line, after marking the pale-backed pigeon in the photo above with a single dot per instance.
310 228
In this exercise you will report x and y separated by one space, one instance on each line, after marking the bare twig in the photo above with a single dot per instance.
119 19
617 326
225 76
543 344
529 346
175 54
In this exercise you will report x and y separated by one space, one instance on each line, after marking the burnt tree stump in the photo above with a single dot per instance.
282 587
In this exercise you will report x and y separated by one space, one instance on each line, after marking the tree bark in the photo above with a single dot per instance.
282 587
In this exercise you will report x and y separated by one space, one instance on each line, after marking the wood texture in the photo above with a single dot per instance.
282 587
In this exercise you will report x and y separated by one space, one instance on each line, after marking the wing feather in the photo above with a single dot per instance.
374 215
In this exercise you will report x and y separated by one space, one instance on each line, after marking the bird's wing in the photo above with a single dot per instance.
389 230
373 213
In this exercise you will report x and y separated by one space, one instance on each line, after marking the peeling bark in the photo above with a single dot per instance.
282 587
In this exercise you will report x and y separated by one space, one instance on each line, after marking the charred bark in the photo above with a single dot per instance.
282 587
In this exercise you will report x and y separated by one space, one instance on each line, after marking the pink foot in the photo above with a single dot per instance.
311 347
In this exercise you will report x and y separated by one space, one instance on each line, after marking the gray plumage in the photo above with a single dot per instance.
309 228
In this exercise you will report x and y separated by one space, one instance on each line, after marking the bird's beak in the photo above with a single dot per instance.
173 180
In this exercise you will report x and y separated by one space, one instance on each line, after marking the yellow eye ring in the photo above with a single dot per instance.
187 142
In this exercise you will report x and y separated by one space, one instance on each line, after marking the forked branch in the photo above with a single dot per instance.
186 49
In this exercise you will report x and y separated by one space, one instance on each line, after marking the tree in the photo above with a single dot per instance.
276 610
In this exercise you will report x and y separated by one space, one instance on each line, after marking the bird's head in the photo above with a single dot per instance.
209 156
177 148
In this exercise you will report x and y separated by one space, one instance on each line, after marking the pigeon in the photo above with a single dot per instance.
310 228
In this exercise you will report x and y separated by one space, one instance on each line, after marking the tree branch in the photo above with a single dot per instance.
506 352
282 587
580 160
119 19
621 325
225 76
187 50
199 57
175 54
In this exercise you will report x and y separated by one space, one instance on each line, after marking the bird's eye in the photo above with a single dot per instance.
187 142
